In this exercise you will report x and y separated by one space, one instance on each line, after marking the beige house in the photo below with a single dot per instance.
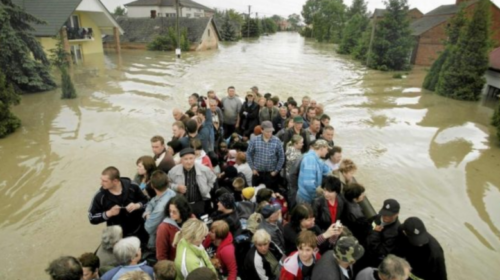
166 8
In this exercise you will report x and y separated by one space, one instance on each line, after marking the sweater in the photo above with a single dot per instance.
232 107
190 257
165 234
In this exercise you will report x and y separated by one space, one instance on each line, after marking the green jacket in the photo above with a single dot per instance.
189 257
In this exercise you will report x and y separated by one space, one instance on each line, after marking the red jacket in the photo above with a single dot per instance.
164 238
291 269
226 256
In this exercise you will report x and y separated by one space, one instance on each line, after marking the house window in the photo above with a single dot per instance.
76 54
159 14
73 21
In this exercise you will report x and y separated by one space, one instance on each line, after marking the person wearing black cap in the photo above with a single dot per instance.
382 239
421 250
272 224
225 211
194 180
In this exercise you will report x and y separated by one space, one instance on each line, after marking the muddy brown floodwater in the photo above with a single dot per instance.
437 156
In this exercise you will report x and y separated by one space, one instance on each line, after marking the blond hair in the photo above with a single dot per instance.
192 230
347 165
261 237
135 275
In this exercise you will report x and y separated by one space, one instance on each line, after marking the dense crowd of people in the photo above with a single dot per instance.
251 188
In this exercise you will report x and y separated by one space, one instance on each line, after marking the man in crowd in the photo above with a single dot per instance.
327 135
421 250
279 120
312 170
309 116
382 239
217 115
231 107
155 210
255 90
211 95
265 156
180 116
225 211
194 180
90 265
206 130
178 130
163 160
313 129
121 202
272 224
306 100
391 268
297 128
65 268
337 264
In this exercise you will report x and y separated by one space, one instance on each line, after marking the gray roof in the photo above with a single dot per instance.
145 30
168 3
45 10
449 9
424 24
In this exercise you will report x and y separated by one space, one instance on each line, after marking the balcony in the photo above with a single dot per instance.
80 34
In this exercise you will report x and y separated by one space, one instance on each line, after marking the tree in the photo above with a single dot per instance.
360 51
8 121
68 89
294 20
119 11
227 30
357 7
251 28
309 9
60 59
23 60
393 40
495 121
462 76
168 41
328 21
352 32
453 31
269 25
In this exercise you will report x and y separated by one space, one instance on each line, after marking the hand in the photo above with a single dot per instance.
378 228
146 217
329 232
181 189
255 173
274 173
132 207
114 211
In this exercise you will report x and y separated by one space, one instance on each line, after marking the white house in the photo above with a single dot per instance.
166 8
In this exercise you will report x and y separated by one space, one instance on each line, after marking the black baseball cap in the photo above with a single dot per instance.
416 232
389 208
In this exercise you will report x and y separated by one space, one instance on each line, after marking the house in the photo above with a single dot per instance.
413 14
430 30
493 73
202 32
284 25
81 24
166 8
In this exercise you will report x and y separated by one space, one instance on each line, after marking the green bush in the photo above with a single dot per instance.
397 76
68 89
495 121
8 121
168 42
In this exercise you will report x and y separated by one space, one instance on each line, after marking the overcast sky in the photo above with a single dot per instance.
287 7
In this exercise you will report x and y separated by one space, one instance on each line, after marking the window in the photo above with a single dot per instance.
76 54
73 21
159 14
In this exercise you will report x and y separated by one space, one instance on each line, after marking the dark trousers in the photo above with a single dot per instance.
228 130
271 182
198 208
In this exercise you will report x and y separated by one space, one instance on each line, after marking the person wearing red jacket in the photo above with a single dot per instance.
224 259
177 211
300 264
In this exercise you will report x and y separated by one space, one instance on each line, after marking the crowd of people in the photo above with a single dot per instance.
249 188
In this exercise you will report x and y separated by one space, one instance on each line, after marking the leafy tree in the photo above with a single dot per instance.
294 20
168 41
119 11
309 9
251 28
23 60
269 25
8 96
59 58
352 32
393 41
227 30
68 89
357 7
328 21
453 30
462 76
277 18
234 16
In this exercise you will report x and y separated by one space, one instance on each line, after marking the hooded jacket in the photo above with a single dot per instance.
225 254
165 234
292 269
189 257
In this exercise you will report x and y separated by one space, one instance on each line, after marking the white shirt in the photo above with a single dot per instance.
333 166
160 158
247 171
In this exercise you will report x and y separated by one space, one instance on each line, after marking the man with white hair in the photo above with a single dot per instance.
179 115
391 268
128 254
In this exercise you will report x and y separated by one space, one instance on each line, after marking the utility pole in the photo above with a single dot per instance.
248 22
177 12
371 39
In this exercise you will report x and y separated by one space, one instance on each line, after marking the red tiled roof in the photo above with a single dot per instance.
495 59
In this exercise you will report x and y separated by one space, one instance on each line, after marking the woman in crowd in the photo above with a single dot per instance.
128 254
145 167
224 260
353 216
200 156
262 260
334 157
346 172
189 253
293 151
300 264
110 236
329 207
302 219
177 212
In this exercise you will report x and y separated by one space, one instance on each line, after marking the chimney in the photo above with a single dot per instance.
153 13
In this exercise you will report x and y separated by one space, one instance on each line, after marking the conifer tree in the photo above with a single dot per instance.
352 32
462 76
23 60
455 27
228 32
393 40
358 7
59 58
8 121
360 51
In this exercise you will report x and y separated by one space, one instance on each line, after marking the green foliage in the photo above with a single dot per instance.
68 89
227 30
309 9
495 121
269 26
8 96
306 32
168 41
251 28
294 20
455 26
58 55
462 76
393 41
328 21
352 32
23 60
397 76
119 11
361 49
358 7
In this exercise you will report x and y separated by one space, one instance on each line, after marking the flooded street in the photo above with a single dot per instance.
439 157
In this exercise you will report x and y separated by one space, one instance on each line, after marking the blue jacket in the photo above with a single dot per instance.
312 169
156 211
118 271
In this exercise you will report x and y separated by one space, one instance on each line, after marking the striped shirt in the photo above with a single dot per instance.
265 156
